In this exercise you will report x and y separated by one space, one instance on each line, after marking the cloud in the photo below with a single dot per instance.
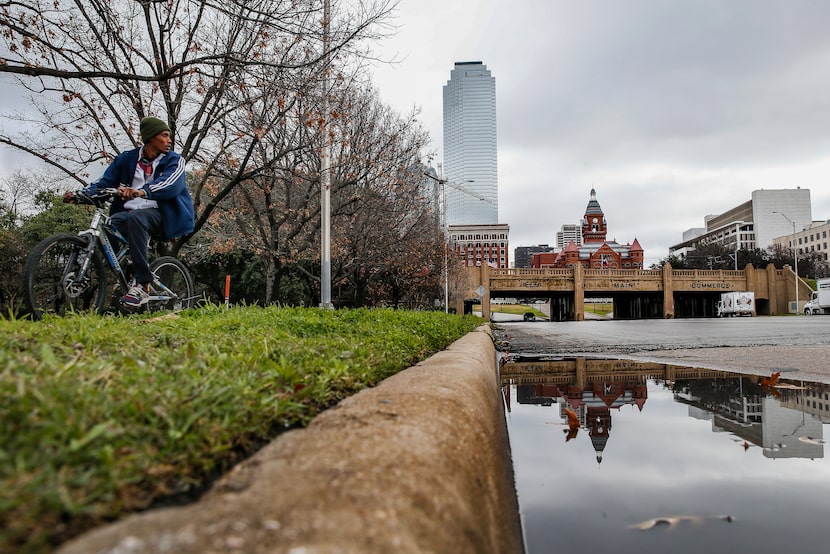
671 110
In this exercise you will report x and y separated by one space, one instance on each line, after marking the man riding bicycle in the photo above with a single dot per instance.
154 200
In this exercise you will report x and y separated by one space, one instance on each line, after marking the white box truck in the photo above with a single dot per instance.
819 302
736 303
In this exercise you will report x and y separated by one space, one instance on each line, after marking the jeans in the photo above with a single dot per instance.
137 226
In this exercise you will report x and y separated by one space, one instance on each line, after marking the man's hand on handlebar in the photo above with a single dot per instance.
128 193
100 195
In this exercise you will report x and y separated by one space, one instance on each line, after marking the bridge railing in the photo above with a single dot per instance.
655 274
523 271
693 273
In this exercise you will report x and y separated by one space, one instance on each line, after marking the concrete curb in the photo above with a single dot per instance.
420 463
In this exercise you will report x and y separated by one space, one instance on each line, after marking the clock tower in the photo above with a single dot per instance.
594 226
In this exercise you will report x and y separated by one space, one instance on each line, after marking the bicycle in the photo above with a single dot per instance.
66 272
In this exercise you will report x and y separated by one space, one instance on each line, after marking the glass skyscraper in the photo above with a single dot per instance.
470 153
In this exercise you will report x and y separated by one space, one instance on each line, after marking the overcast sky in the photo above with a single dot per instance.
670 109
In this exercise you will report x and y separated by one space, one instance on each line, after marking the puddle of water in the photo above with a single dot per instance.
615 455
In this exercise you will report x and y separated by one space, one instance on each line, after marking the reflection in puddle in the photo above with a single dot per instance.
605 447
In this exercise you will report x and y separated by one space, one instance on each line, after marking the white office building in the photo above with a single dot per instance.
568 233
470 152
755 223
809 240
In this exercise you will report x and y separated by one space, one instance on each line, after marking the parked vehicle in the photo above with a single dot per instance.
736 303
819 302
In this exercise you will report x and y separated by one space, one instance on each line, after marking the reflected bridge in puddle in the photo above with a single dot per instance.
605 450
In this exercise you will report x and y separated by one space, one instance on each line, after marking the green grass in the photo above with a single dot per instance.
103 415
599 308
514 309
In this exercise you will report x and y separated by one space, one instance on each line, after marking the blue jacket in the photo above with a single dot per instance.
168 188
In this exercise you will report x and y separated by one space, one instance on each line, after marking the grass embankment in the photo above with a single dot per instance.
102 416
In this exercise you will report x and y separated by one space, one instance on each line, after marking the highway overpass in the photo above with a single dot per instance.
636 293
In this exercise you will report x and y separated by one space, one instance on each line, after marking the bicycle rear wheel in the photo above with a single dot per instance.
173 288
52 282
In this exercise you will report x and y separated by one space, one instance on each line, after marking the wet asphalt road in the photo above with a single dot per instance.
796 345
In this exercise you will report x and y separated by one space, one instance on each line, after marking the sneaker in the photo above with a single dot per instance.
136 297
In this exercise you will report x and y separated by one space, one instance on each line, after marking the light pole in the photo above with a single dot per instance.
795 260
444 229
325 176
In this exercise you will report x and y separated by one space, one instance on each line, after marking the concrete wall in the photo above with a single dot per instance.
419 463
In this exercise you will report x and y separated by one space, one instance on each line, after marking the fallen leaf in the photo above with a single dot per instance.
674 521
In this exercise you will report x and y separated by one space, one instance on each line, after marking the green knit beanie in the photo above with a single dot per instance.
150 127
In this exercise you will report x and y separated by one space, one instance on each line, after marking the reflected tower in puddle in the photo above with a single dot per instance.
679 449
783 418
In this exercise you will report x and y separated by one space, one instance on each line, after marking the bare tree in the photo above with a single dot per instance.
387 245
382 214
19 192
93 69
380 211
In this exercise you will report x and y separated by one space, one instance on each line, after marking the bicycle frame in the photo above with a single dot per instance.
98 235
72 272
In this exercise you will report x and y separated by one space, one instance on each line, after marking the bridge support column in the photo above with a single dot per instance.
749 273
581 373
485 284
579 292
772 289
668 292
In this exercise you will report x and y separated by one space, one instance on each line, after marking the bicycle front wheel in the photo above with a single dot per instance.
55 281
173 287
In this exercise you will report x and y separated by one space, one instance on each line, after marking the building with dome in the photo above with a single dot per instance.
596 251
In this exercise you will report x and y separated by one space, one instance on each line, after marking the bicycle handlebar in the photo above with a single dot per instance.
100 198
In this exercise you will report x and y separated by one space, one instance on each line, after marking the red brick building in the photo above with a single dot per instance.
596 251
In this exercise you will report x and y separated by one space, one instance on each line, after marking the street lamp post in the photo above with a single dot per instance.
443 223
444 229
795 260
325 176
